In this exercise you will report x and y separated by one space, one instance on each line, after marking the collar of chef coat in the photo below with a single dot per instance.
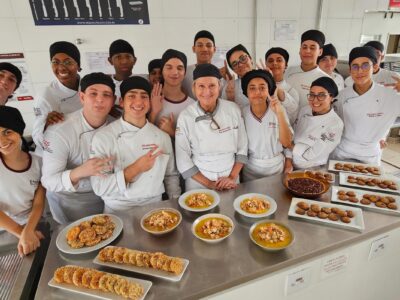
63 88
355 94
309 113
126 126
203 115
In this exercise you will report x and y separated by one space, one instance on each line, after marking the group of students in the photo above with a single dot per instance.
111 143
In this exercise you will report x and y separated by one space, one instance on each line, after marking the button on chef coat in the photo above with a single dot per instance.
367 119
127 143
17 189
315 137
200 147
54 97
67 146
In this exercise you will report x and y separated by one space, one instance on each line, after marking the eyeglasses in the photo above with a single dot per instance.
364 67
255 89
320 96
65 63
242 60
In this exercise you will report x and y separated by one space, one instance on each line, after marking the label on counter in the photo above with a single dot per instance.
298 280
334 264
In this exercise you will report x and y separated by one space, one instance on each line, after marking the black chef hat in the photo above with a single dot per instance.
328 50
258 74
238 47
121 46
67 48
135 82
204 34
12 69
172 53
154 64
328 84
377 45
280 51
365 51
11 118
206 70
97 78
314 35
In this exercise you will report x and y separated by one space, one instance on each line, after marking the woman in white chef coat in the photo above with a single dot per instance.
367 109
21 194
276 60
144 164
210 139
61 96
318 129
328 62
267 126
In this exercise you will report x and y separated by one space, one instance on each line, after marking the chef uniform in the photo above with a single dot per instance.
67 146
54 97
17 188
316 136
301 80
209 143
127 143
367 117
265 151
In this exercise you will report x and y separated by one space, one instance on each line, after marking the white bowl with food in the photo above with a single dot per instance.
213 228
254 205
199 200
271 235
161 220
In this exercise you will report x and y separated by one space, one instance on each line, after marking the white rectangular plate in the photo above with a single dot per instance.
146 271
372 207
98 293
331 167
357 223
343 181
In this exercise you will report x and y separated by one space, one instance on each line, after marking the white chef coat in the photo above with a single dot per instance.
265 156
301 81
67 146
240 98
188 81
338 79
213 152
383 76
291 102
315 137
173 107
17 189
54 97
367 119
127 143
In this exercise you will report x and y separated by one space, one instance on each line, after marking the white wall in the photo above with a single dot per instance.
173 24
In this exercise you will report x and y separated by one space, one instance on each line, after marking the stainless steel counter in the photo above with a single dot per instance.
236 260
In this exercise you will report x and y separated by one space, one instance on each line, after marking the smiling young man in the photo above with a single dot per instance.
143 155
10 79
166 106
367 109
66 164
379 75
62 95
204 48
301 77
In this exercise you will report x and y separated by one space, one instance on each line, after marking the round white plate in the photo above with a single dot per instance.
272 208
170 209
182 198
221 216
63 246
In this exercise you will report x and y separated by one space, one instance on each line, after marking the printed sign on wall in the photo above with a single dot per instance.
89 12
